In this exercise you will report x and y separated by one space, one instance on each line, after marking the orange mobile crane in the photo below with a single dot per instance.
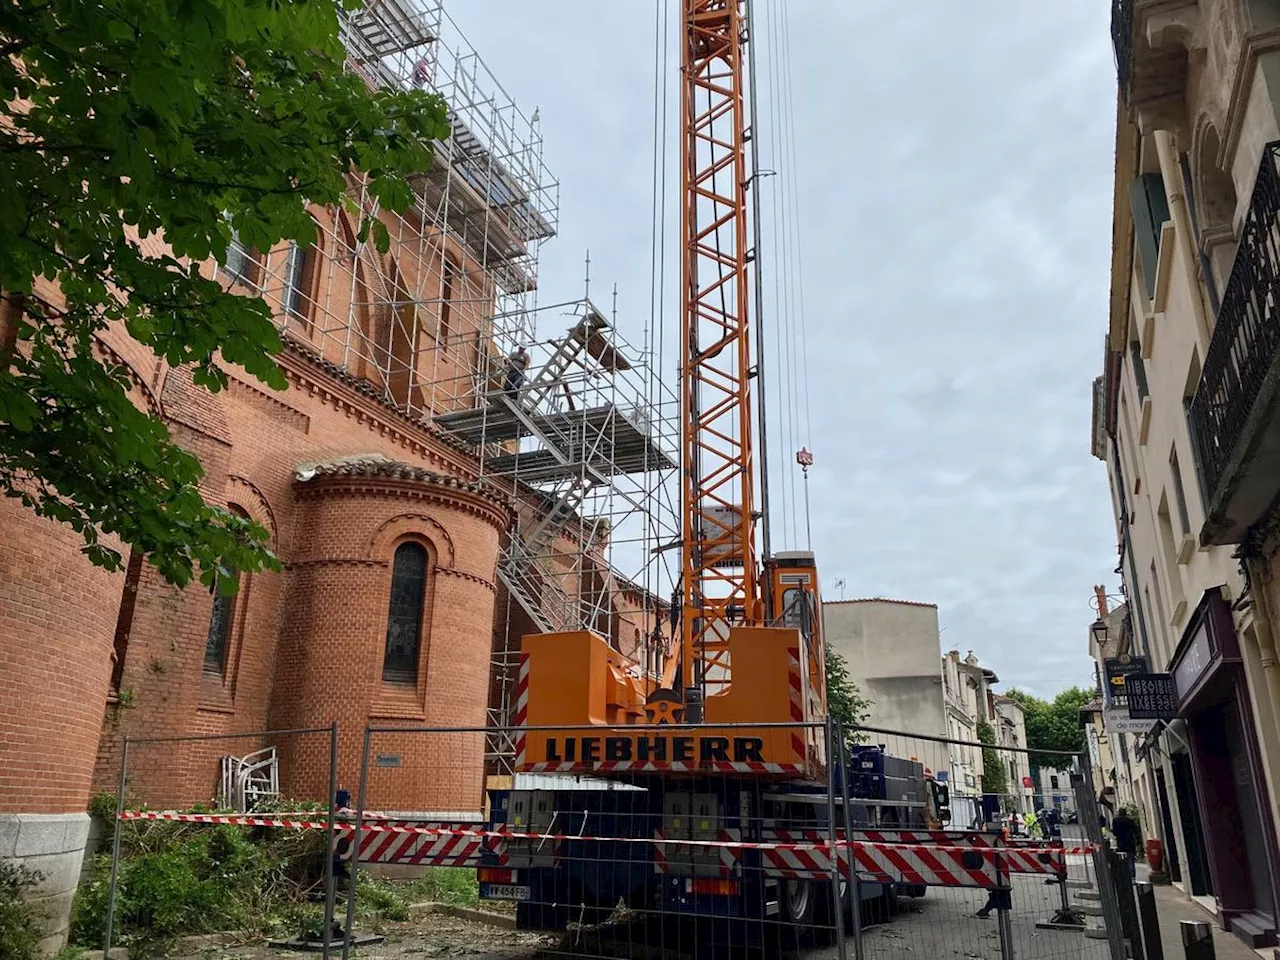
741 634
731 738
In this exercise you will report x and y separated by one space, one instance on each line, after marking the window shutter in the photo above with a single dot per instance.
1150 211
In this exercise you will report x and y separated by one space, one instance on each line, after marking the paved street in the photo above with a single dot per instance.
942 926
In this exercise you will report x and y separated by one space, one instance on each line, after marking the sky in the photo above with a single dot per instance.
942 205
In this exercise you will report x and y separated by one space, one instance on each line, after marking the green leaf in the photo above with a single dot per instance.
175 121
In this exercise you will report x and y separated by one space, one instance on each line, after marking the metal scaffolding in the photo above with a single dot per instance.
583 444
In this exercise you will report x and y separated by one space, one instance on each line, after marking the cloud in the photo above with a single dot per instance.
952 176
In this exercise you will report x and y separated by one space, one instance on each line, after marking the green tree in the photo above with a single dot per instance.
183 120
1053 725
995 777
845 701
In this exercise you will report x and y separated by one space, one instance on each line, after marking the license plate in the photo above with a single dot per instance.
503 891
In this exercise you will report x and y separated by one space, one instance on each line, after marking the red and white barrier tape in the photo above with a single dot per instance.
347 826
235 820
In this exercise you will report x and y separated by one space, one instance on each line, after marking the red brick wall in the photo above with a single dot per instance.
57 621
251 442
333 632
306 644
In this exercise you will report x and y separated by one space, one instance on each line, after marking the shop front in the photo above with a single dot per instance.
1224 770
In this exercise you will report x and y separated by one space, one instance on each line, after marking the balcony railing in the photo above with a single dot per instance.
1122 40
1246 339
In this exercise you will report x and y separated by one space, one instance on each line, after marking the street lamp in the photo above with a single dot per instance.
1099 631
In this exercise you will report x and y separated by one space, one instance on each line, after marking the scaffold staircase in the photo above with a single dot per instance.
560 448
570 450
568 352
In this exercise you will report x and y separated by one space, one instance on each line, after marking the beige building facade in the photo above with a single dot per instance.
893 649
1187 419
1011 733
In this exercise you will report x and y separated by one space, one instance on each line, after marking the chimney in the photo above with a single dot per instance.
1101 593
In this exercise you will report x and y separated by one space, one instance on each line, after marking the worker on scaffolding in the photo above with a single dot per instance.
421 74
517 364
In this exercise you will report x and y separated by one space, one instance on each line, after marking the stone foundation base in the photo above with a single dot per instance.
52 845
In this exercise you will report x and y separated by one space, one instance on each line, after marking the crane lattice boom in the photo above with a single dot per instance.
720 575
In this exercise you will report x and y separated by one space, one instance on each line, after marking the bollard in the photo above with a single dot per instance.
1150 921
1197 939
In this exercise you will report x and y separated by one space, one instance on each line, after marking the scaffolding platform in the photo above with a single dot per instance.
389 27
603 438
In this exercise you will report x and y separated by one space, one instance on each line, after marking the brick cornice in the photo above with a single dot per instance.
479 505
373 562
331 385
337 562
104 351
463 575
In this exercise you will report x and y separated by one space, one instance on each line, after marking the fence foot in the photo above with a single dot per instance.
1067 916
1197 939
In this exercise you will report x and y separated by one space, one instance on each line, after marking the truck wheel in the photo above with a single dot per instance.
797 905
914 890
798 902
890 901
827 914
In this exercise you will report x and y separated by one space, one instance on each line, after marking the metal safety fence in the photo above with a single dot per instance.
678 841
210 846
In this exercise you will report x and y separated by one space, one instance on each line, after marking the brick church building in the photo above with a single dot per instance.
422 524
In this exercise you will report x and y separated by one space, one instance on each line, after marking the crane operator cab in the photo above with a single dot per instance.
793 587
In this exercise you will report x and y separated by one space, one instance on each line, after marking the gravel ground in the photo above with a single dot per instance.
940 926
433 936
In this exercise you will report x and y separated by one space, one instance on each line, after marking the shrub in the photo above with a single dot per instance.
180 879
379 900
20 929
205 882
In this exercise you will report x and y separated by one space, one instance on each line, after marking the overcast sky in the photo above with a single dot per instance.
952 167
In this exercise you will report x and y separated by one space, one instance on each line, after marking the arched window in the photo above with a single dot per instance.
124 618
299 271
404 614
402 354
1216 206
450 275
242 262
217 643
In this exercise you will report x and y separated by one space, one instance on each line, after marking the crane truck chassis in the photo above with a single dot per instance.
582 880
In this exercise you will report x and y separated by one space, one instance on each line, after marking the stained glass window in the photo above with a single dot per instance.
404 614
218 640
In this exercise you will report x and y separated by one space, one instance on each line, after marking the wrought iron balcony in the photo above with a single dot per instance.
1122 40
1235 414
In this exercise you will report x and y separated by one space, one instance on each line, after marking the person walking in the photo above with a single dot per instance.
1125 830
993 895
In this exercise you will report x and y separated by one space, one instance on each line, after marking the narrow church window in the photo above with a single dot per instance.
404 614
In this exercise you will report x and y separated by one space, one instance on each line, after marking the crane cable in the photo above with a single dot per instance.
655 325
797 221
790 340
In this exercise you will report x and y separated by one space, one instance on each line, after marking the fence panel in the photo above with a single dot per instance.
668 841
644 841
208 838
977 801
